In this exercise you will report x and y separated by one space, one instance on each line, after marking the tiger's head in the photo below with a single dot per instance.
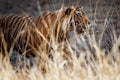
78 20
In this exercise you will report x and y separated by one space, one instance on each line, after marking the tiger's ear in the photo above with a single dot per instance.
69 10
80 6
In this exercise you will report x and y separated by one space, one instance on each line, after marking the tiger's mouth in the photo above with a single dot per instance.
80 28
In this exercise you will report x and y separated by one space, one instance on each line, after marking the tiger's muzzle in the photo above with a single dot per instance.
80 28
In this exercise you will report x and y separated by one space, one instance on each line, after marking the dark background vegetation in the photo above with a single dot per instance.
102 13
33 7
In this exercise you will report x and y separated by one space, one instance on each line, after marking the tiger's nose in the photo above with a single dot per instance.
88 22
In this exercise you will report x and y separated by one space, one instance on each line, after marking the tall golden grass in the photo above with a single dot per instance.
90 58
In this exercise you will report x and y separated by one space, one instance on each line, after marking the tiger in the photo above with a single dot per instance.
27 34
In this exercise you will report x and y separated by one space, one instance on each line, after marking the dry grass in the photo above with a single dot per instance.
88 60
84 67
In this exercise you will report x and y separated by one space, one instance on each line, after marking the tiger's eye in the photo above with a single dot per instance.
79 13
